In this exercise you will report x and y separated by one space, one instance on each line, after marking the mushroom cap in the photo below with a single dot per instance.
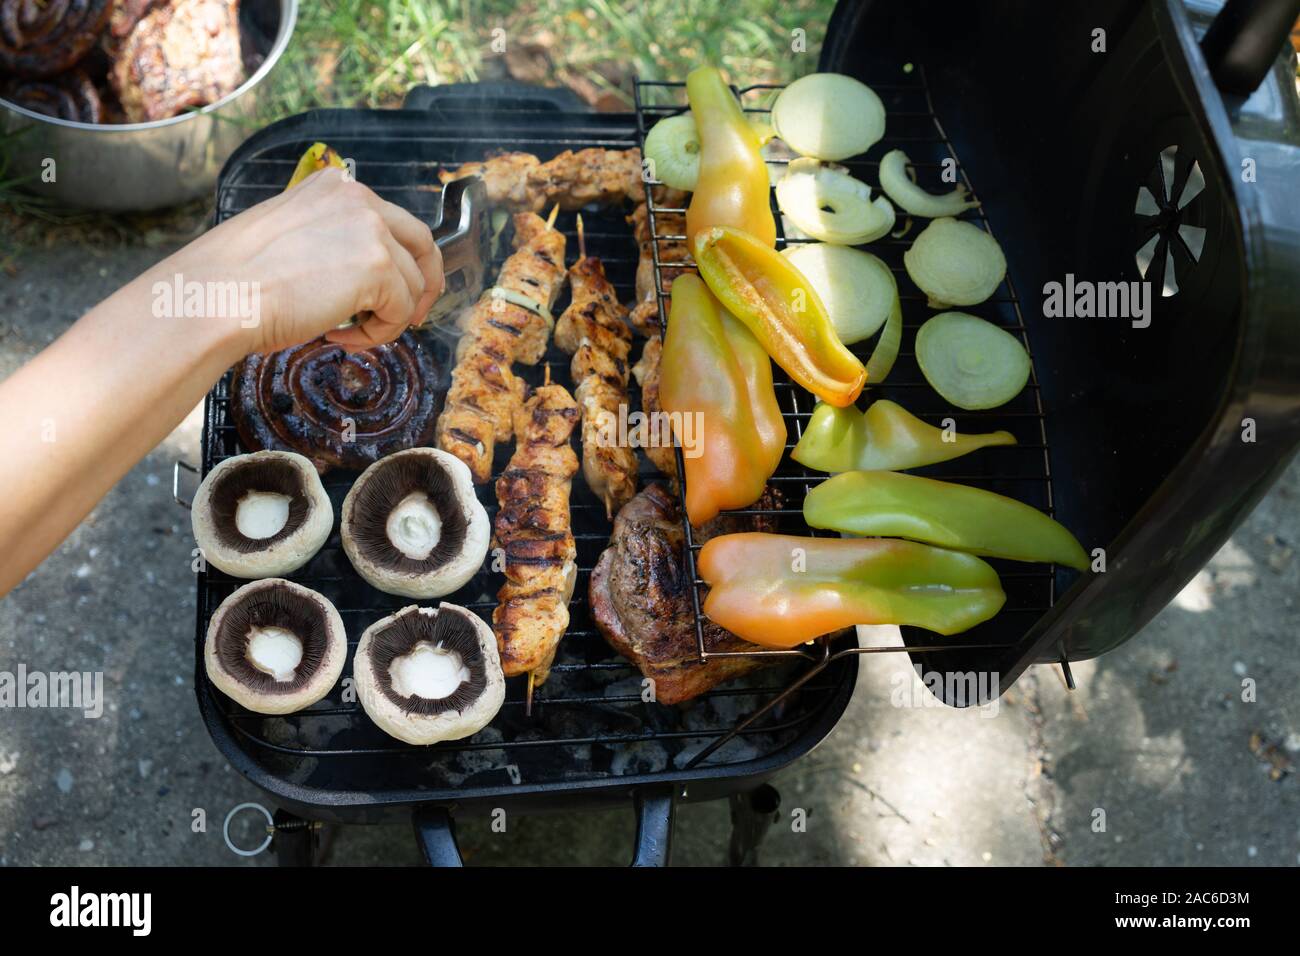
402 717
464 532
212 515
275 602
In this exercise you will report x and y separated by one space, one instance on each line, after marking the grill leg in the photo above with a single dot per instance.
752 815
655 815
436 834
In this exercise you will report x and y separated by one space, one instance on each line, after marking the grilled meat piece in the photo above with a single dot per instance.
674 256
592 329
485 394
506 178
340 409
601 176
181 55
640 596
41 39
536 272
521 182
127 13
655 434
71 96
532 528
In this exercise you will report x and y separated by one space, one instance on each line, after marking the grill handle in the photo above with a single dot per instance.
655 813
1244 40
436 834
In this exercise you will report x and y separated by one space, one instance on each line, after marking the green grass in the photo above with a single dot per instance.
355 53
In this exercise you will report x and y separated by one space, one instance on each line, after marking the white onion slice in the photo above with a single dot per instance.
521 300
673 147
858 290
909 196
955 263
826 203
972 363
829 116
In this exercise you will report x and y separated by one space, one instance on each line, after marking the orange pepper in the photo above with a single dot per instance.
716 386
780 590
733 187
760 287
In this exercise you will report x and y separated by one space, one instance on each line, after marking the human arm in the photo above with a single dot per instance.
78 416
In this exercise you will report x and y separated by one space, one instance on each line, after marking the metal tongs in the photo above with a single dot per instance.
462 233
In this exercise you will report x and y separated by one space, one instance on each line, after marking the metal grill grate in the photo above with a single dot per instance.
1020 471
589 721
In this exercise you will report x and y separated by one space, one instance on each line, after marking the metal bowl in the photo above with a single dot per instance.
138 166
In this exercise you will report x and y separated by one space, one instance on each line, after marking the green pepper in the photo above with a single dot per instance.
781 590
760 287
716 386
886 437
942 513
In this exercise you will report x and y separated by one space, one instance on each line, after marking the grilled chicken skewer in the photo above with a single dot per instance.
674 255
520 181
510 322
674 260
533 530
592 330
654 436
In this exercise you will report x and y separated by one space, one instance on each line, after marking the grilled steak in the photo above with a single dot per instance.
641 598
178 56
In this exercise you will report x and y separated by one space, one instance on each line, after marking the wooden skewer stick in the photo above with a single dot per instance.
582 240
528 697
550 220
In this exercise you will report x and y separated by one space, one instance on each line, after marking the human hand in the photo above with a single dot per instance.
318 254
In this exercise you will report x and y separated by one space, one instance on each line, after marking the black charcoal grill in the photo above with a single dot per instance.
1131 437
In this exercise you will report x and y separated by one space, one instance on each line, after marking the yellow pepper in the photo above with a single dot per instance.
716 386
760 287
317 157
733 187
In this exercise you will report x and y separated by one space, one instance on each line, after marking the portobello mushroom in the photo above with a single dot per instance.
413 526
429 674
261 515
275 647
